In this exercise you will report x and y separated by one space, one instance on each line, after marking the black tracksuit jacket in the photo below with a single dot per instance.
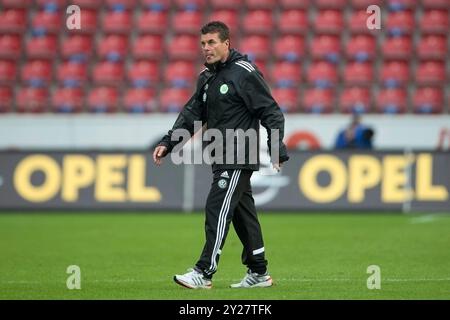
232 95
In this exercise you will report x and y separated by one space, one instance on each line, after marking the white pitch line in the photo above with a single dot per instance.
429 218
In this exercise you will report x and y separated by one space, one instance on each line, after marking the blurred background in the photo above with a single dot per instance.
116 84
143 55
367 127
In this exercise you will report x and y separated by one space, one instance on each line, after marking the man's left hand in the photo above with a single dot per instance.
277 166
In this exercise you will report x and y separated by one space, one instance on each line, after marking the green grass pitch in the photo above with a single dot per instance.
311 256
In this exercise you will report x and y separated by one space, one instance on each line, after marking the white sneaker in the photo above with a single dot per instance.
254 280
193 280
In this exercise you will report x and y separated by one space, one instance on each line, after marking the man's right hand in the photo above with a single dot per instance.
159 153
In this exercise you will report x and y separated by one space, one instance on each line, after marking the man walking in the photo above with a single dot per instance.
231 94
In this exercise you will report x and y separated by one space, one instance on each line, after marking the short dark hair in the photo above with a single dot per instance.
217 27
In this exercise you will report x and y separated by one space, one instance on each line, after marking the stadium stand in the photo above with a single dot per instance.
103 99
228 16
394 73
6 99
287 99
68 100
317 100
391 100
428 100
143 73
318 56
293 21
355 100
8 71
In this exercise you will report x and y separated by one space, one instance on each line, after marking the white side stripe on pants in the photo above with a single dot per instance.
258 251
222 218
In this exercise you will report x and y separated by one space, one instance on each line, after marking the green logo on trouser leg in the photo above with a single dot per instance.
222 183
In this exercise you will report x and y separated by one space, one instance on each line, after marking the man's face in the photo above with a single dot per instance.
213 48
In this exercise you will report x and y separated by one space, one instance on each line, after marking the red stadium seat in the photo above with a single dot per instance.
148 47
229 4
435 21
6 99
295 4
430 72
397 48
152 21
355 100
358 22
10 46
122 4
190 4
77 45
322 74
329 22
13 21
103 99
428 100
108 73
88 21
8 71
117 21
187 21
318 100
53 4
391 101
401 5
400 22
363 4
72 73
258 22
156 5
47 20
174 99
260 4
23 4
326 47
184 47
361 47
331 4
289 47
287 99
229 17
293 21
87 4
285 74
113 47
358 73
180 74
43 47
138 100
37 73
143 73
261 65
428 4
432 47
32 100
68 100
394 73
255 46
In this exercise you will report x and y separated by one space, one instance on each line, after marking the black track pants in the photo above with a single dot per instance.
230 199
